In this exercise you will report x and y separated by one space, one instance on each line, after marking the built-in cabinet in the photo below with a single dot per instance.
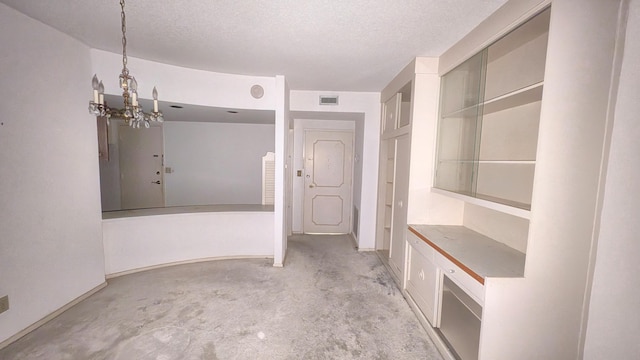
423 278
489 116
448 266
487 135
506 142
394 169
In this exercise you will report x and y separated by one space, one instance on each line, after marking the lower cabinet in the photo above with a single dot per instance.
449 298
422 277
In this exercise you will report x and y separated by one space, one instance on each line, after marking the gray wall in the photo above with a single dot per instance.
215 163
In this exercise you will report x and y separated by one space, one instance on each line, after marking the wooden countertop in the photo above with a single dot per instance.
476 254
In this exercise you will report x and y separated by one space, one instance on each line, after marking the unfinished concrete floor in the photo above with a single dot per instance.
328 302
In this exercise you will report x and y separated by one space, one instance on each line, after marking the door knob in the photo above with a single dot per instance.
156 182
312 186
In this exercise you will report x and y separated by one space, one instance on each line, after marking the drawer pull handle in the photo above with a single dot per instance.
451 271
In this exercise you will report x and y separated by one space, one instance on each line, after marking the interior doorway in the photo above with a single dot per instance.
141 167
328 173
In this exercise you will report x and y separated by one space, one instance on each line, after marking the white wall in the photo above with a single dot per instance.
198 87
281 198
51 242
184 85
369 105
215 163
613 324
136 243
299 127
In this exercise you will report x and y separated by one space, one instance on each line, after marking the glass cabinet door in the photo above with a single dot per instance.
458 129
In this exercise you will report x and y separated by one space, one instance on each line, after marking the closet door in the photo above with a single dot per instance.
399 206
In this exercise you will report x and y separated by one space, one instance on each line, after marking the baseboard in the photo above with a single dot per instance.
354 239
366 249
431 332
437 340
51 316
284 258
185 262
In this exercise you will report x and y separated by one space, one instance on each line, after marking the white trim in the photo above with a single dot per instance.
185 262
51 316
521 213
437 340
366 249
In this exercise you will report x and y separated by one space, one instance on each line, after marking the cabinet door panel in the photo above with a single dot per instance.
400 196
523 48
422 283
391 113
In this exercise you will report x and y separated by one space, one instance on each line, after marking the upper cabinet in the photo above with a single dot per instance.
489 116
397 111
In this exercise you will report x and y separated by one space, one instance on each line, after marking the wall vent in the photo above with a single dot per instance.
328 100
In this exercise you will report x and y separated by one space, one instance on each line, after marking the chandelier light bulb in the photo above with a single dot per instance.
94 84
134 92
100 93
155 99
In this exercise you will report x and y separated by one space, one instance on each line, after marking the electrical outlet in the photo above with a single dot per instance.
4 303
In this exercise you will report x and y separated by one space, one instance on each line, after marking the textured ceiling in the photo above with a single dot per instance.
339 45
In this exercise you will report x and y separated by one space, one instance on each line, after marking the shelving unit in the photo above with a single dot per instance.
490 119
490 110
388 193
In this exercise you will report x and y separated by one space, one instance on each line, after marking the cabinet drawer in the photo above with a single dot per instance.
420 246
422 282
470 285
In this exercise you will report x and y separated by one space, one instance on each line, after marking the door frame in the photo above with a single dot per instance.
352 166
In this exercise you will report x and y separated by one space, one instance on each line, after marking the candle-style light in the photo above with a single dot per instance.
95 84
155 99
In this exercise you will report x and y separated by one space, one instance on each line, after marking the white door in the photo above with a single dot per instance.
328 171
399 207
140 167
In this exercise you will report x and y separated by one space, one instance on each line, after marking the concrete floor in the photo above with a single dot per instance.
328 302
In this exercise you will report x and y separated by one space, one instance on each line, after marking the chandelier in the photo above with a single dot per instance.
132 112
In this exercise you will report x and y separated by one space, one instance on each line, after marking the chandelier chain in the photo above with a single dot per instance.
124 40
132 112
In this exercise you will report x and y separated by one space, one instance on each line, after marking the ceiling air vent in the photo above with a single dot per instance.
328 100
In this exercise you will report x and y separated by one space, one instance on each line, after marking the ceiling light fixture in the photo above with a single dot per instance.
132 113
